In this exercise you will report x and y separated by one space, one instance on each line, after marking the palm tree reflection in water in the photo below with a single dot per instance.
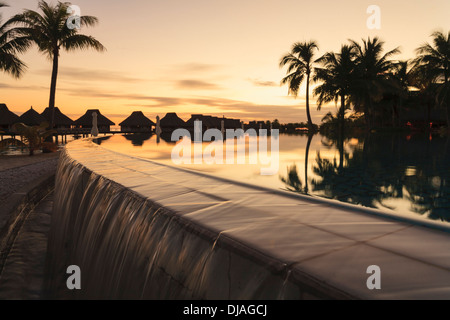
382 171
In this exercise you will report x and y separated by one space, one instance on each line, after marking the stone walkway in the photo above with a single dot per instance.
17 172
23 274
24 222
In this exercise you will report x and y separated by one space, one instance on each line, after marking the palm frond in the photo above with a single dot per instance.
9 63
82 42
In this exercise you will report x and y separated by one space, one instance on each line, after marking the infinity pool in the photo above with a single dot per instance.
405 174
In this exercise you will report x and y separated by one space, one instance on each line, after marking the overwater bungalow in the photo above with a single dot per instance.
85 121
211 122
257 125
61 121
137 122
215 122
172 122
32 118
208 122
233 124
7 118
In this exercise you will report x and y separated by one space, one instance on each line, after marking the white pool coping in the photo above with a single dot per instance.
330 242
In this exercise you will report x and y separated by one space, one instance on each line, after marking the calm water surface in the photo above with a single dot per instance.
405 174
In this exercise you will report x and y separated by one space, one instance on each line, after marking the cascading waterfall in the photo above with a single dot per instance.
114 236
138 229
128 247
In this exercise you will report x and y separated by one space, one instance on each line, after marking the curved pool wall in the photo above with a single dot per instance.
143 230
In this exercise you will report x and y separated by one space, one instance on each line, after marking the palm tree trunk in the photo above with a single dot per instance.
342 116
366 116
51 103
447 113
308 145
308 113
395 112
341 151
446 105
370 114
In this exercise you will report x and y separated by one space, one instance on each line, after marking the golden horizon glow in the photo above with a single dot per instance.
210 57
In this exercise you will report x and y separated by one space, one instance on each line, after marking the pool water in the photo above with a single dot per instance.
405 174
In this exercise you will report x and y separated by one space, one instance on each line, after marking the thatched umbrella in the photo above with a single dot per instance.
137 122
7 118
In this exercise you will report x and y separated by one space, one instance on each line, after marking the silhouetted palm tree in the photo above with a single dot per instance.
300 65
51 34
436 59
401 81
292 181
371 74
10 45
336 76
423 77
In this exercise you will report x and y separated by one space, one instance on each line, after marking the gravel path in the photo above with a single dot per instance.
21 172
22 269
23 275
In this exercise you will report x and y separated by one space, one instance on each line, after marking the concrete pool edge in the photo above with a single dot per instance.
282 273
312 198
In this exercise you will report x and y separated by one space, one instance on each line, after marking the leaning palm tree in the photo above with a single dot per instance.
436 58
371 75
10 45
336 77
300 65
51 33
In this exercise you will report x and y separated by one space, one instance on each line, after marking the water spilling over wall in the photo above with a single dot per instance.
130 247
143 230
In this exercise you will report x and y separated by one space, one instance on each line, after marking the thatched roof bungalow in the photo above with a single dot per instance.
137 122
208 122
257 125
32 118
172 122
211 122
214 122
7 118
233 124
61 121
103 123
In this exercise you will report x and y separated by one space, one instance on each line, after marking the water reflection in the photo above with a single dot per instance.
293 182
138 139
408 174
381 171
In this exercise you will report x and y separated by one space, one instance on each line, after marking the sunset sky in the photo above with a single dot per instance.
213 57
